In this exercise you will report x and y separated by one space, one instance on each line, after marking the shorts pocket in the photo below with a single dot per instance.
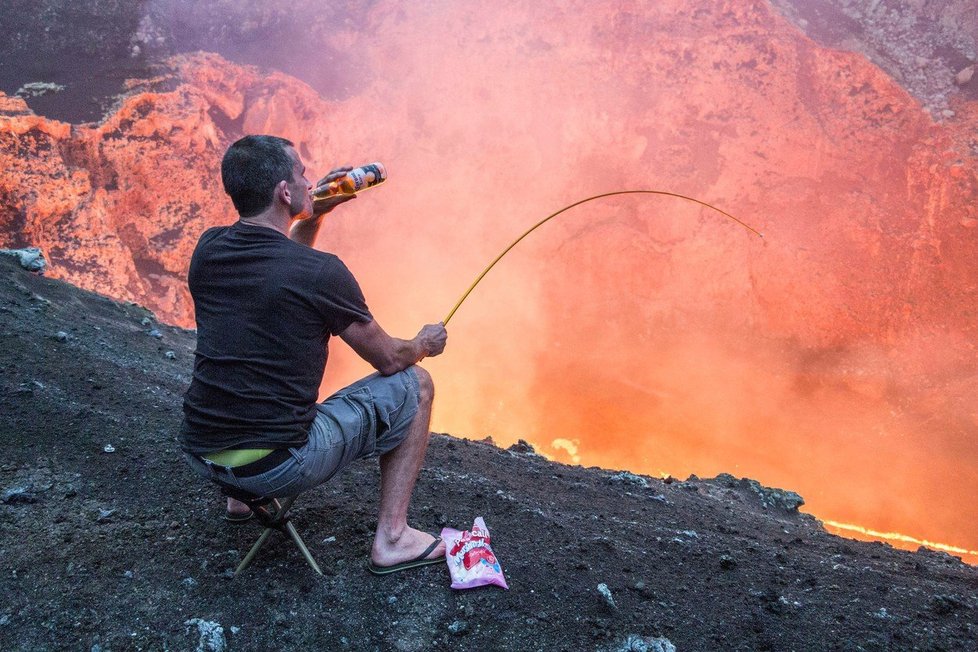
361 404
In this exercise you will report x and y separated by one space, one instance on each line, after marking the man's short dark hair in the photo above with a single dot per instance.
251 169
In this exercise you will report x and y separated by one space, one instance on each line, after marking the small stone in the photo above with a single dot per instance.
30 258
945 604
146 321
964 75
128 575
235 629
625 477
61 336
329 539
522 447
18 495
392 599
727 562
189 582
211 635
441 520
636 643
170 355
4 620
104 515
458 627
109 448
605 593
155 333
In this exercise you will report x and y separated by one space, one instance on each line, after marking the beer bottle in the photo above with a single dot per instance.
357 179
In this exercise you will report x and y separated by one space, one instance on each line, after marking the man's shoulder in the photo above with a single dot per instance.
209 235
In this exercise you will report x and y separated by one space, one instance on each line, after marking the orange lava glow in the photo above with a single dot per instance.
898 540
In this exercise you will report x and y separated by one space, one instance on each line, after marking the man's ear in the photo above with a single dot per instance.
282 193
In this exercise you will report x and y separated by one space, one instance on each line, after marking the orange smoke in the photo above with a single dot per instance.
646 334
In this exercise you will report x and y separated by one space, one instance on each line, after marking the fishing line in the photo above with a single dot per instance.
578 203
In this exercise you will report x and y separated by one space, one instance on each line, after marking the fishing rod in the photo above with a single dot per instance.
578 203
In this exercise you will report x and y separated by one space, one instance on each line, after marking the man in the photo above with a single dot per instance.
266 305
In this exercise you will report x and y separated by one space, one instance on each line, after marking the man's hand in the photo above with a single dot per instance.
323 206
432 339
387 354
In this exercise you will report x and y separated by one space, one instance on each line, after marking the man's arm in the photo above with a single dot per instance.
304 230
387 354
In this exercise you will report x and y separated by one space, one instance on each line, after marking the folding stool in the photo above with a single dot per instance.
273 515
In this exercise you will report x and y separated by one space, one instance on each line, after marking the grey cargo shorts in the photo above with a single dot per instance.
367 419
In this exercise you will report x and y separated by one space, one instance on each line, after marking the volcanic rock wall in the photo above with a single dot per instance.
118 206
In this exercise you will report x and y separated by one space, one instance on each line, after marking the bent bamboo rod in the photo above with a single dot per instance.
578 203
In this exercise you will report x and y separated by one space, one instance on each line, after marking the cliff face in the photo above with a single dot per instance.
640 333
924 46
118 206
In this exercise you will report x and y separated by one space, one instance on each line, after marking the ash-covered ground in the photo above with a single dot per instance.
127 550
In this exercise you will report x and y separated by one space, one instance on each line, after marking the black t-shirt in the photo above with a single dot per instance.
266 307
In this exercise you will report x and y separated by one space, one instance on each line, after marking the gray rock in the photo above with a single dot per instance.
609 599
18 495
104 515
635 643
965 75
625 477
522 447
771 497
458 627
31 258
61 336
211 635
155 333
170 355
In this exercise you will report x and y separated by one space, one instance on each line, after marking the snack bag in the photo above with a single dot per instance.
470 559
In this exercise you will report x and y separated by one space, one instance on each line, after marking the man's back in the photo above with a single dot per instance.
266 307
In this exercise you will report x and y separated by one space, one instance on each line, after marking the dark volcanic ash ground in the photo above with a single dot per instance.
127 550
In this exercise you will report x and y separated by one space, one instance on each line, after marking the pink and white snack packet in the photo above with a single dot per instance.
470 558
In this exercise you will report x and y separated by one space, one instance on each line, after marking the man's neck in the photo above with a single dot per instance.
271 220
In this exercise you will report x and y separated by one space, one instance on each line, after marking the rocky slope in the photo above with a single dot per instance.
110 543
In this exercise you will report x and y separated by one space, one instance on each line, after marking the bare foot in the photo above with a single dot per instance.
407 547
237 508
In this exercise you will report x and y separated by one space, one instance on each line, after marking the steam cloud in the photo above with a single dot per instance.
836 359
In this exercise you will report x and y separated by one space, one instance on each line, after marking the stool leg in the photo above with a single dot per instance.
302 547
254 551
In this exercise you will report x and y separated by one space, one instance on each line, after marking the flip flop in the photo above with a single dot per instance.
417 562
237 519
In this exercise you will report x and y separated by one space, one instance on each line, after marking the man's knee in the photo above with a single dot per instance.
426 386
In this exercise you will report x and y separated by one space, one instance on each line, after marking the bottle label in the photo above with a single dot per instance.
366 176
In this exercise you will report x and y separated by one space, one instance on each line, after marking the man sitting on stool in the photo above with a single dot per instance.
266 304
